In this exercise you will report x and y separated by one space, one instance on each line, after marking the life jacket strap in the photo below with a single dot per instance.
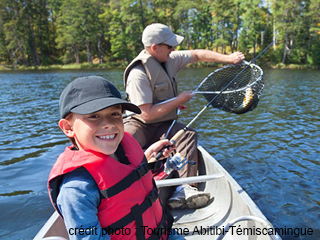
136 215
125 183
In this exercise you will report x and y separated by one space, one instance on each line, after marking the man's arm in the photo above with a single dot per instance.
202 55
139 83
154 111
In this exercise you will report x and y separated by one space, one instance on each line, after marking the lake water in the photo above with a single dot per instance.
273 152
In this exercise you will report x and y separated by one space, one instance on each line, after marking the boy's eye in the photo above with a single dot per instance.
116 114
93 116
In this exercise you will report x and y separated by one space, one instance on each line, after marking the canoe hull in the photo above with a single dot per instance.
228 202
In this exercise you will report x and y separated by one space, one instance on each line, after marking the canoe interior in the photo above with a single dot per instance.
228 201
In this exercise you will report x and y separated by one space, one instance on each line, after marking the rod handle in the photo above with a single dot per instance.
173 140
178 136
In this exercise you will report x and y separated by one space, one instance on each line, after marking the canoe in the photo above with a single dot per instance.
230 213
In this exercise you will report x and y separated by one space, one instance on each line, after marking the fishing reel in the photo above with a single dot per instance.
176 162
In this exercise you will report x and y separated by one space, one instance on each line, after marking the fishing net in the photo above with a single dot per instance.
234 88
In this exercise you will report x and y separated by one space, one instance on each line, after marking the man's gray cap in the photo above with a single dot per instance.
157 33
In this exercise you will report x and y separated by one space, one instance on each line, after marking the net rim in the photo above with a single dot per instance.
244 63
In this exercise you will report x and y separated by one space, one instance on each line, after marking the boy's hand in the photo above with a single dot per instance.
156 147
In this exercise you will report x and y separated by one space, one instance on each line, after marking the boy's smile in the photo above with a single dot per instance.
101 131
107 137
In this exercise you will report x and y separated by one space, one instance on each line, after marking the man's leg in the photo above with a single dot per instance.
187 196
187 147
141 132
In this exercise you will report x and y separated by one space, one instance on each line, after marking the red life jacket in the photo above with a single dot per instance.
129 197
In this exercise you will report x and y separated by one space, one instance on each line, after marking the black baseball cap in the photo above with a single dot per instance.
90 94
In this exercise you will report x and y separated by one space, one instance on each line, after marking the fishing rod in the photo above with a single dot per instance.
181 132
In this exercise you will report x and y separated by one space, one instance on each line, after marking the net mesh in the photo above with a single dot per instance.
242 94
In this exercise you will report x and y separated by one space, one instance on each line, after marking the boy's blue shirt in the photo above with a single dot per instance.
78 202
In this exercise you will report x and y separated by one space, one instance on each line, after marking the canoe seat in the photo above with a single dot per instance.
187 180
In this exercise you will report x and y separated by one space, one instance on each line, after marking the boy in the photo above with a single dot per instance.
101 185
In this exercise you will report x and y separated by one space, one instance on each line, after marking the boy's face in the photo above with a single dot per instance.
101 131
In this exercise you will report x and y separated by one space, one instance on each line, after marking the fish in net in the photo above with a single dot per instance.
236 88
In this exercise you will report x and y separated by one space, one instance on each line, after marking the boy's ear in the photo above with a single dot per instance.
66 127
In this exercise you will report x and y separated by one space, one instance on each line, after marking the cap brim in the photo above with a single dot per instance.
102 103
174 40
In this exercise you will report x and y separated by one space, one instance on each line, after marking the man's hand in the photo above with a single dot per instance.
236 58
185 96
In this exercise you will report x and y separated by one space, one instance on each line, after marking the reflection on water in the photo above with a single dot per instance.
273 151
15 193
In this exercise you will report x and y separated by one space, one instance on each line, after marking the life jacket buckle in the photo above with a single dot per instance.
141 170
153 196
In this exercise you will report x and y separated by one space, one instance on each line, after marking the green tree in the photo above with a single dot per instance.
292 24
41 32
3 52
314 32
78 26
116 30
14 31
253 16
225 24
202 35
185 11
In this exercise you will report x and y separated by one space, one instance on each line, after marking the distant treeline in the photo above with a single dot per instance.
46 32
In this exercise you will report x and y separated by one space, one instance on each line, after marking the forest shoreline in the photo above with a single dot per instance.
123 65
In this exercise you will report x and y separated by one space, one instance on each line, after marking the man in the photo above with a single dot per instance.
150 80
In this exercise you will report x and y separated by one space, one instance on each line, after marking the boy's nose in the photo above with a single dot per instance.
107 122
